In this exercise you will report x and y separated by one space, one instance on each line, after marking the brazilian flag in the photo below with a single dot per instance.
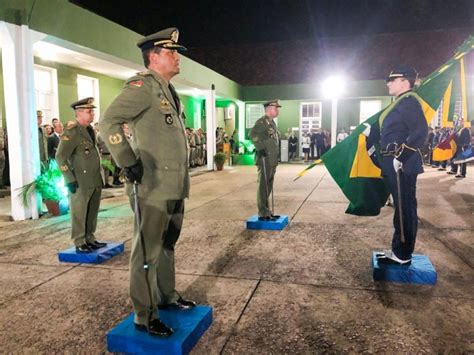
355 162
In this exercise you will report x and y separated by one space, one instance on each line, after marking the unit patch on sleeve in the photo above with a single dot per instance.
115 138
136 83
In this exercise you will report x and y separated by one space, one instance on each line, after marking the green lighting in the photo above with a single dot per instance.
49 184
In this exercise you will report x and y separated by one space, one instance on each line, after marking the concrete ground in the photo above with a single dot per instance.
307 289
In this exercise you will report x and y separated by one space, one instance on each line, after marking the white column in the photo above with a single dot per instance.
18 82
241 106
333 121
211 126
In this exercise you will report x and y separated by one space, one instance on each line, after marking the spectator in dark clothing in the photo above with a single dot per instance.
427 147
462 139
320 141
53 139
312 144
292 144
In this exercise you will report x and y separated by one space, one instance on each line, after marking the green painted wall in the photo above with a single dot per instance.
311 92
74 24
67 87
348 113
192 110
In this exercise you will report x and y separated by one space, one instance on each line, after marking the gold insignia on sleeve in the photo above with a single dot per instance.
71 124
65 138
115 138
64 168
165 104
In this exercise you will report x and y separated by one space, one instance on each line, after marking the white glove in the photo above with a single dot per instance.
397 164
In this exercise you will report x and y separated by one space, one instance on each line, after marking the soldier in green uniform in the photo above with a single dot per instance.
42 140
265 137
79 161
156 167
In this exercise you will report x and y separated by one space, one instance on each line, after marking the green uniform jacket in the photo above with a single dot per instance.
78 157
159 137
43 145
264 135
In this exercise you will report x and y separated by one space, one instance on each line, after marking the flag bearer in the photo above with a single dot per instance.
403 131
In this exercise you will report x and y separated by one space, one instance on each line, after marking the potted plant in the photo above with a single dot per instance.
50 185
219 160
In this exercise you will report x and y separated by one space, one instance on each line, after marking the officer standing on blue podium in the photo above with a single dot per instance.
265 137
403 131
155 166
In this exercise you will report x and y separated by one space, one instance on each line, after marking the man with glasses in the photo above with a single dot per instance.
79 160
403 132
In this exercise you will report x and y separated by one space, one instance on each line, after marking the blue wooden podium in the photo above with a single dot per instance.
254 223
94 257
188 326
420 271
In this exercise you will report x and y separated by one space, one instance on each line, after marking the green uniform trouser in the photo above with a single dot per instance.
161 223
263 192
84 205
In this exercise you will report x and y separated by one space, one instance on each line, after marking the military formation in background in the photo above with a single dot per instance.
42 140
3 159
197 147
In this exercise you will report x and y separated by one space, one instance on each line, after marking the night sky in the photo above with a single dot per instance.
221 22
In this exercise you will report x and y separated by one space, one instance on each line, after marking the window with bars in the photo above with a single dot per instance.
252 113
46 92
311 110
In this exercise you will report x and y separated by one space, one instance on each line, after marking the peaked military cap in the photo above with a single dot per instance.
88 102
167 38
403 71
275 103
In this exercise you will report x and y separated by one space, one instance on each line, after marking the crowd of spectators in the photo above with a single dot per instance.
438 136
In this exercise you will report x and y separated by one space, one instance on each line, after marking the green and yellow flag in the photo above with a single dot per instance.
354 163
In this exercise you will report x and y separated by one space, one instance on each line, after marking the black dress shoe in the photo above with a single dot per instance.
460 176
107 186
388 261
84 248
156 328
181 303
267 218
117 183
275 216
96 244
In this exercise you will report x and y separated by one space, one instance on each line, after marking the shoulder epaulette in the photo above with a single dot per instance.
71 124
144 73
